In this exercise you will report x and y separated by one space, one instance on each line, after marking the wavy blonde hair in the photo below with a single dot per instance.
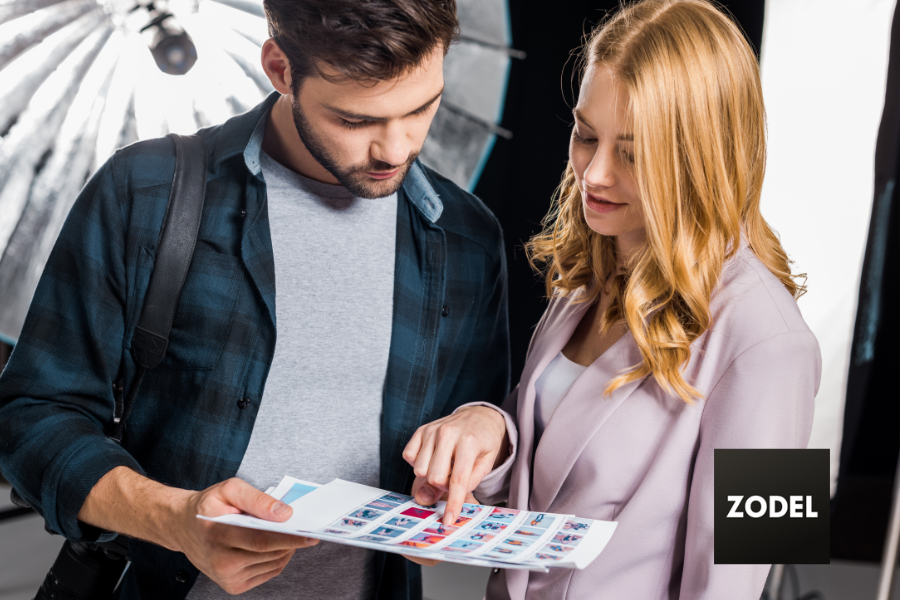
698 120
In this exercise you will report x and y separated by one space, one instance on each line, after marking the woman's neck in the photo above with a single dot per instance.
626 246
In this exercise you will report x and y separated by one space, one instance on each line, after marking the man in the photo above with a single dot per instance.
386 281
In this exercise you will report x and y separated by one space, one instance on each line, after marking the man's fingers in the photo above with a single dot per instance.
245 561
250 500
275 563
260 579
459 482
258 541
234 566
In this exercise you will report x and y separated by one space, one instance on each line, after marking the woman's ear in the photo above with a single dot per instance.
277 67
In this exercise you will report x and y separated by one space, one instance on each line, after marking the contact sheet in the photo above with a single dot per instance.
358 515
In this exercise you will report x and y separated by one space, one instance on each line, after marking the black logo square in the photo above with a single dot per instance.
771 506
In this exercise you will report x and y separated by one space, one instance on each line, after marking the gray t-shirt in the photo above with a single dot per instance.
320 416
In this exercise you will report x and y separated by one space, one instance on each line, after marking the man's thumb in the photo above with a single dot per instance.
250 500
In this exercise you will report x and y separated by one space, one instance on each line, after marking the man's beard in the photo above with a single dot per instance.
355 177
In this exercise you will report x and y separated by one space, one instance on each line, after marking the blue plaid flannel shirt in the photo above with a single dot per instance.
193 417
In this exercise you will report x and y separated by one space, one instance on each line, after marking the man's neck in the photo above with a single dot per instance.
283 144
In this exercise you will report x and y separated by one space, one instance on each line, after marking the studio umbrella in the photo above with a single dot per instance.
80 78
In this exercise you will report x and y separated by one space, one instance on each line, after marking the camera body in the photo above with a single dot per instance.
84 572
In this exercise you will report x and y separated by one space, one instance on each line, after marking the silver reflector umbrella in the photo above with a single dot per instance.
80 78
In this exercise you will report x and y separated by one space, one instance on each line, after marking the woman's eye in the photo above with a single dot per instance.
627 156
581 140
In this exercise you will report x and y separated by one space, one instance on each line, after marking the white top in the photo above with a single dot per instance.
550 387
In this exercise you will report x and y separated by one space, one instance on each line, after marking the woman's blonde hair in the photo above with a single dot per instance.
697 116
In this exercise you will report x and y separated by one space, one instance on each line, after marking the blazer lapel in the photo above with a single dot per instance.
580 414
564 316
551 340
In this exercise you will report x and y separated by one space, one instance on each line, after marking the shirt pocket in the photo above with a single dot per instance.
205 309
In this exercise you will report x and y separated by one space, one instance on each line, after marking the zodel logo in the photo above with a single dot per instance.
777 506
771 506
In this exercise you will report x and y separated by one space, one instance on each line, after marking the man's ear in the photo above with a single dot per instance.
277 67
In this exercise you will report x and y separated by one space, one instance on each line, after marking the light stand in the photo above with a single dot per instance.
889 556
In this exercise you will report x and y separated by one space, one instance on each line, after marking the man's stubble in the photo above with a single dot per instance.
353 178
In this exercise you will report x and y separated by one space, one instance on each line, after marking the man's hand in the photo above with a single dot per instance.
452 455
237 559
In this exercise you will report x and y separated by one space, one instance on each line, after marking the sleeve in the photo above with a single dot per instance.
56 393
764 399
494 487
484 373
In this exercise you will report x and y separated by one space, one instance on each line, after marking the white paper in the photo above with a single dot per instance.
359 515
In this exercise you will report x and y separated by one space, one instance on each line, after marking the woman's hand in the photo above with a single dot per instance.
427 562
452 455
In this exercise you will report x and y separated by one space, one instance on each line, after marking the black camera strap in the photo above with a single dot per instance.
174 251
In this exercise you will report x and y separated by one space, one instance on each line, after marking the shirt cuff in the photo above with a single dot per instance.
69 481
498 479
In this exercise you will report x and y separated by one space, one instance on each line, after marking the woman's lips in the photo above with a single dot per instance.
601 205
383 174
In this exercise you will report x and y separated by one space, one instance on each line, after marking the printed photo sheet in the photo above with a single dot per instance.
359 515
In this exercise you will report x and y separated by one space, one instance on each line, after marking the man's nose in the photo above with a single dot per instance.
392 147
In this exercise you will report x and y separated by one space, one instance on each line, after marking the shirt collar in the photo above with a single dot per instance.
254 145
244 135
421 193
240 134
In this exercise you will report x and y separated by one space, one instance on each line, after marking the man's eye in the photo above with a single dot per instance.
421 111
351 124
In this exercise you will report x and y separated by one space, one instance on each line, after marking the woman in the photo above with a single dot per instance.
672 328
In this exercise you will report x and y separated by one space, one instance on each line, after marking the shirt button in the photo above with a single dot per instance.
496 570
243 213
243 403
181 577
445 311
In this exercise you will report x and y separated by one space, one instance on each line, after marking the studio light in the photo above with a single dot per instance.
172 48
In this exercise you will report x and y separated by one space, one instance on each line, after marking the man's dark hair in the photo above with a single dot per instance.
360 40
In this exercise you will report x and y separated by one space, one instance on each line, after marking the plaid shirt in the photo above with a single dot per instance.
193 417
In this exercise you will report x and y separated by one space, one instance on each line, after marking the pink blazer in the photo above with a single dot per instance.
645 459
